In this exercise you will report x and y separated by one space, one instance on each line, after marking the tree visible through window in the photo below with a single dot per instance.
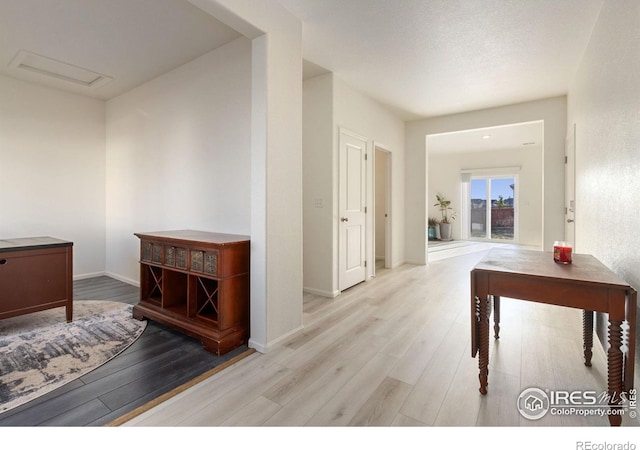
492 208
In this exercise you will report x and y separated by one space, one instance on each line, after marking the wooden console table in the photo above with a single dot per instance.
198 283
35 274
585 284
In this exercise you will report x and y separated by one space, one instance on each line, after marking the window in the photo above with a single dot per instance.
492 207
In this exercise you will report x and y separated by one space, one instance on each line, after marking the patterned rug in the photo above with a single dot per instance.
40 352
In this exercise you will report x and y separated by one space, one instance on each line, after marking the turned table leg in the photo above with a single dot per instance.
483 308
496 316
587 334
615 362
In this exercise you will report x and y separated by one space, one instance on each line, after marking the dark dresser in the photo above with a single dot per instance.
198 283
36 273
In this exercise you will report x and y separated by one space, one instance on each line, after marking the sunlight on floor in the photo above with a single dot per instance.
437 250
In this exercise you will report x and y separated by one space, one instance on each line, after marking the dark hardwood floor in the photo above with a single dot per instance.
159 361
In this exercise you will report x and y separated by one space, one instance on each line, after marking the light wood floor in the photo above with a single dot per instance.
395 351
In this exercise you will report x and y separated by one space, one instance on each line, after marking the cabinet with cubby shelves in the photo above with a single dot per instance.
198 283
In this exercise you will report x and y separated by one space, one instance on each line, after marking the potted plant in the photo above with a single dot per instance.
433 224
448 215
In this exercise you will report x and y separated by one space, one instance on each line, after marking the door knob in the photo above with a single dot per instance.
569 220
344 219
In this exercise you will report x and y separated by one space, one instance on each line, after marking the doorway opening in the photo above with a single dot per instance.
382 208
494 179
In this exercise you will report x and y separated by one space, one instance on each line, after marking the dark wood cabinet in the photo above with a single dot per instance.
35 274
198 283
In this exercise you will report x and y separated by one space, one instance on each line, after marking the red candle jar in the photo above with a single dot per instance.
562 252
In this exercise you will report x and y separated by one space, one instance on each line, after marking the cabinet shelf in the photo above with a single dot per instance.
205 298
180 310
207 321
198 283
151 284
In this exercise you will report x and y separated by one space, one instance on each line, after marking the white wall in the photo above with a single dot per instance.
317 192
552 111
52 169
178 154
331 104
276 163
604 103
445 177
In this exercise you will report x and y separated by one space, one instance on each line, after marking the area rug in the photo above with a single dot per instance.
40 352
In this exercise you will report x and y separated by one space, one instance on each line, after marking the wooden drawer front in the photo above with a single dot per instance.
197 260
175 257
147 250
211 263
181 258
204 262
156 256
170 256
29 279
152 252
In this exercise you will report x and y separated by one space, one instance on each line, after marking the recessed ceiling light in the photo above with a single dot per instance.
56 69
486 136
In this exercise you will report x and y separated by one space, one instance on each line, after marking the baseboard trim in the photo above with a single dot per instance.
85 276
115 276
264 348
123 279
320 292
417 263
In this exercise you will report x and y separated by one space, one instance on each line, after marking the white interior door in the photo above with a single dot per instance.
352 202
570 187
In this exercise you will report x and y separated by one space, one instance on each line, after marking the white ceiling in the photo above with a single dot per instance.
131 41
421 58
434 57
508 137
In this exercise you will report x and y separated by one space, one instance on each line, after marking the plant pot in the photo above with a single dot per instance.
432 233
445 231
